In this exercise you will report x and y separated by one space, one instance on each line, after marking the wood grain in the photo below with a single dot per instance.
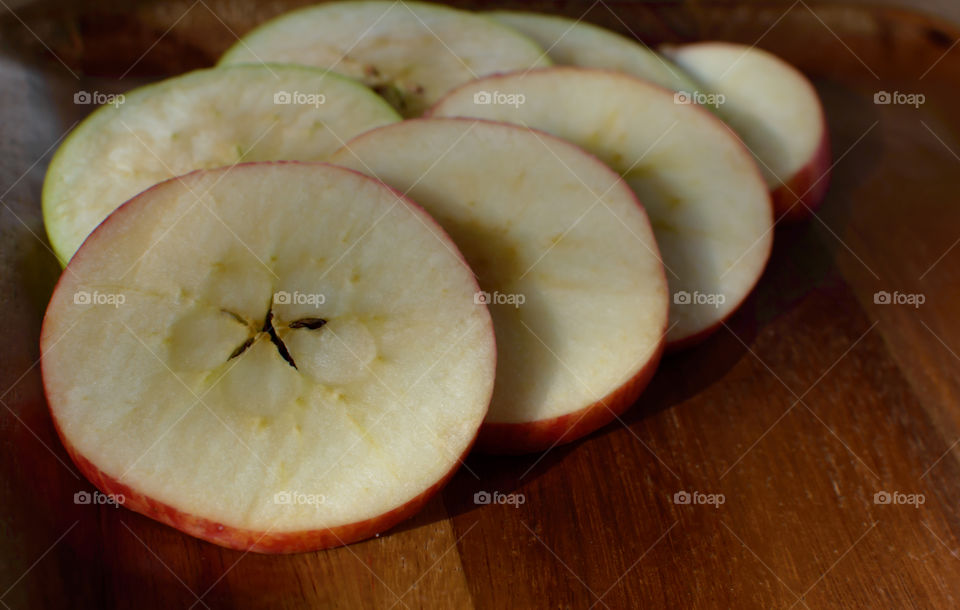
811 400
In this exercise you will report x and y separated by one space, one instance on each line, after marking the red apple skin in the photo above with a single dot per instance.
688 342
671 346
250 540
224 535
697 338
810 184
530 437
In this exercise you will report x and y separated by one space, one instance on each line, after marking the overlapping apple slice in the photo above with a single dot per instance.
578 43
707 201
273 356
769 103
410 52
200 120
565 256
776 111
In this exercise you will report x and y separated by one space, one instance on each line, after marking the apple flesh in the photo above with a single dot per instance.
564 254
200 120
288 356
572 42
706 199
777 113
410 52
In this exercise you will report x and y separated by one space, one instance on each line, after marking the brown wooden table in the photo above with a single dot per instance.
812 400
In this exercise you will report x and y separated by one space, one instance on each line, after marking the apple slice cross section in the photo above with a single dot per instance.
777 113
707 202
564 254
771 105
410 52
276 357
572 42
200 120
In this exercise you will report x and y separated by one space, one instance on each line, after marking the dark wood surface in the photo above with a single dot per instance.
811 400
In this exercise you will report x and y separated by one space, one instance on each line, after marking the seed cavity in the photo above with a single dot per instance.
307 323
311 323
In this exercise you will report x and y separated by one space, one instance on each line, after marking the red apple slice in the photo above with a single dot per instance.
410 52
578 43
707 202
776 111
276 356
565 256
200 120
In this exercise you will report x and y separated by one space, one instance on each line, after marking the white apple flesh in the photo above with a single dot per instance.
572 42
777 113
707 202
410 52
200 120
564 253
274 357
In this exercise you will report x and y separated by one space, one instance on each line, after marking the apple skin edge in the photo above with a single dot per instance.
799 197
239 538
501 441
679 345
251 540
531 437
802 193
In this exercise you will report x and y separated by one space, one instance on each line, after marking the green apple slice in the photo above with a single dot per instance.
578 43
204 119
707 201
411 52
564 253
274 357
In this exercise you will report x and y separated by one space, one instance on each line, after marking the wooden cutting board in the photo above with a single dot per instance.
811 401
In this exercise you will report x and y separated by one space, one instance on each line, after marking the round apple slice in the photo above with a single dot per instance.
275 357
707 202
776 111
577 43
566 259
201 120
410 52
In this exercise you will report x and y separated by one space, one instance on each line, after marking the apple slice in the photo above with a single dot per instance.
410 52
579 43
275 357
200 120
707 201
565 256
776 111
